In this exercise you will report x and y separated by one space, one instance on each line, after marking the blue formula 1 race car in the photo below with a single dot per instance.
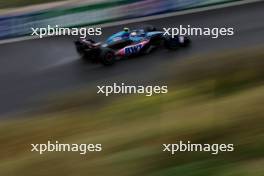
128 43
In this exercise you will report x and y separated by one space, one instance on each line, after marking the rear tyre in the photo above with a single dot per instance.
80 48
107 57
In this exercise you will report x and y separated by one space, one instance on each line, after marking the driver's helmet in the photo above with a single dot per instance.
126 29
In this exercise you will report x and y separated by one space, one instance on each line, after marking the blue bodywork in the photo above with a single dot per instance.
118 36
135 35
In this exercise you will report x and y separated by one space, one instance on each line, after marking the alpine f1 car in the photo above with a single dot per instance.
128 43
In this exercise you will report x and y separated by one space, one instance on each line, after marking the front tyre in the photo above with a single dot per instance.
107 57
174 43
184 41
171 43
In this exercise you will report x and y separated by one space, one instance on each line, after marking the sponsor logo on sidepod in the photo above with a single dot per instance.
133 49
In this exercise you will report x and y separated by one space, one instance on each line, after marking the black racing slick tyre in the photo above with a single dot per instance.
107 56
171 43
174 43
80 48
186 42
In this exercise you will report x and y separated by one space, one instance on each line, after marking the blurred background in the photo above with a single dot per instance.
216 91
18 17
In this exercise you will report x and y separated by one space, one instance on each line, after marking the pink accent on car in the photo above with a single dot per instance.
131 49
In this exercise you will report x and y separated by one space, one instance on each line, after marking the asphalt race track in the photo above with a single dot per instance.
32 69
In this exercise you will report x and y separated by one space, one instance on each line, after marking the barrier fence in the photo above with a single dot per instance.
90 14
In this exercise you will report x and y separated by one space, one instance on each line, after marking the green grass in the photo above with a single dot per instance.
216 99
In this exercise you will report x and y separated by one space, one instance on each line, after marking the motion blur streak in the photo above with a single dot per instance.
216 96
